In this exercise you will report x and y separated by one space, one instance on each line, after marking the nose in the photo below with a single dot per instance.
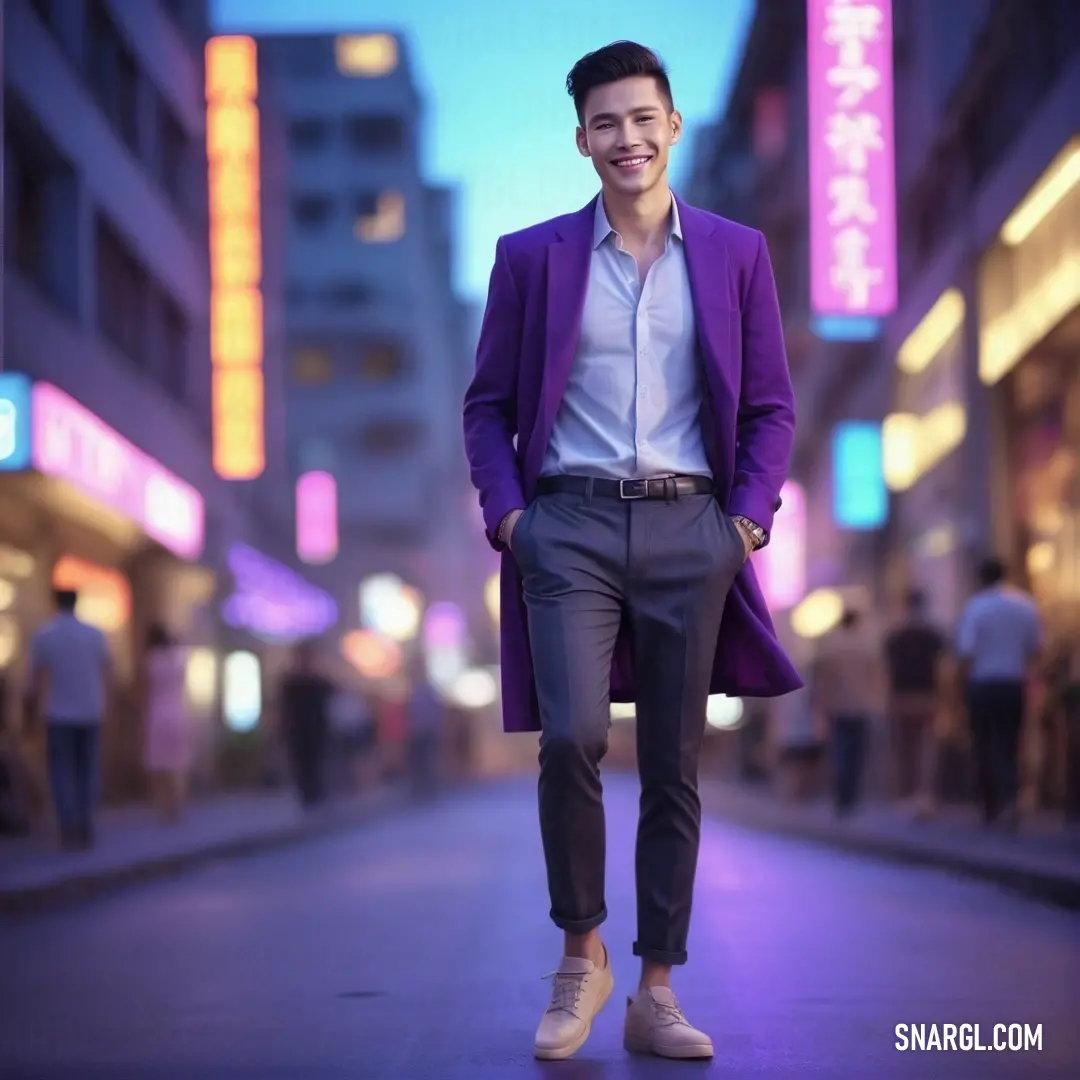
628 136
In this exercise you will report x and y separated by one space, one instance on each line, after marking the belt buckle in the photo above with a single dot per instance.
642 490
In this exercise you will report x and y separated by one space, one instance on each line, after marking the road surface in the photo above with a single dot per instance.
412 949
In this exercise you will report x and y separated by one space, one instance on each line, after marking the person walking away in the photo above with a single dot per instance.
848 691
998 642
427 715
69 679
915 651
629 427
168 745
306 696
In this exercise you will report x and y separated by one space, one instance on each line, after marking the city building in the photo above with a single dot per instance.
107 423
953 410
378 341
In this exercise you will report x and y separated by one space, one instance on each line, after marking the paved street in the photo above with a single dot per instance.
412 947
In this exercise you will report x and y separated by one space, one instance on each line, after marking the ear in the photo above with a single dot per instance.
582 142
676 126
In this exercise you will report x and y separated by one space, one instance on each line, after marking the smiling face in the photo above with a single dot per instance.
627 132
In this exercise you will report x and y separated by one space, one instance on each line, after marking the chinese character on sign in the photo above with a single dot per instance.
854 83
851 138
850 196
851 27
850 272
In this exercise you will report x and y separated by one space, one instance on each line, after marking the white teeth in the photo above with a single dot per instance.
631 162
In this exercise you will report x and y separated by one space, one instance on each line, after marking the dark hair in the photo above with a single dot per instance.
991 572
915 600
157 637
614 62
65 599
850 618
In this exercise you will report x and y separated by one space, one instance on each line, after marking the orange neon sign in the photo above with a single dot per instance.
236 304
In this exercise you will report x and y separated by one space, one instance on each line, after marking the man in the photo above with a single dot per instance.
914 652
629 427
848 692
69 675
306 698
998 642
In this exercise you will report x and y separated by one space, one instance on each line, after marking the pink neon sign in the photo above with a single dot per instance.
316 517
852 176
780 566
71 443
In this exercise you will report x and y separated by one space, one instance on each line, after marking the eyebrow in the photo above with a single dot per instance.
633 112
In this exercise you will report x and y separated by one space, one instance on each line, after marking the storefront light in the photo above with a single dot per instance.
475 689
201 679
492 597
900 450
242 691
9 640
373 656
818 613
7 594
1062 175
1040 558
927 340
724 713
390 607
104 595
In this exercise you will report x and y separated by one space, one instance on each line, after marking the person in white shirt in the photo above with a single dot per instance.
998 642
69 674
847 691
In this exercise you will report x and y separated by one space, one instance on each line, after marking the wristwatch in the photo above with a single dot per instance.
500 533
757 533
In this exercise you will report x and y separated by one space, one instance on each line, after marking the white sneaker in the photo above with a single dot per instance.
655 1025
580 990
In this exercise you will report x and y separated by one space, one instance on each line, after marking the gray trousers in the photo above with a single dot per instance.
589 565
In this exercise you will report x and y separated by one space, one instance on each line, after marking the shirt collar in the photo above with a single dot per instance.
602 227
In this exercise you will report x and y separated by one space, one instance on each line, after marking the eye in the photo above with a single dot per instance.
600 127
645 120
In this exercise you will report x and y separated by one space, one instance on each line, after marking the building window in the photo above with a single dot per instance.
380 218
123 294
174 352
312 211
308 136
375 134
348 294
383 438
40 209
172 152
112 73
311 365
382 361
369 55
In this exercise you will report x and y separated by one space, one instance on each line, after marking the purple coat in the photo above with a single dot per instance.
527 345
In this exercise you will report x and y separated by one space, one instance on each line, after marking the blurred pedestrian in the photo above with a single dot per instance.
915 651
168 738
998 643
69 677
427 725
629 428
848 691
306 697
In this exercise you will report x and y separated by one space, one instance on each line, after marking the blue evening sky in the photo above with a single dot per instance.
498 122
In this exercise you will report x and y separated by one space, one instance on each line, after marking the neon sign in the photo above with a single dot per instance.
852 180
14 421
274 602
780 566
71 443
236 305
316 518
860 497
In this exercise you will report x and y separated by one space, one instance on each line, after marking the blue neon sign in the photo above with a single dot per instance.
14 421
860 498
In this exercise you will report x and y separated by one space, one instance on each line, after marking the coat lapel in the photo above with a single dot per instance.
712 290
567 281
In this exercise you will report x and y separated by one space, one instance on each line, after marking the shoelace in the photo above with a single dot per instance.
566 990
670 1013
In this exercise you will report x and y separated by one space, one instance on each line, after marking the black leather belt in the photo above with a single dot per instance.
665 487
